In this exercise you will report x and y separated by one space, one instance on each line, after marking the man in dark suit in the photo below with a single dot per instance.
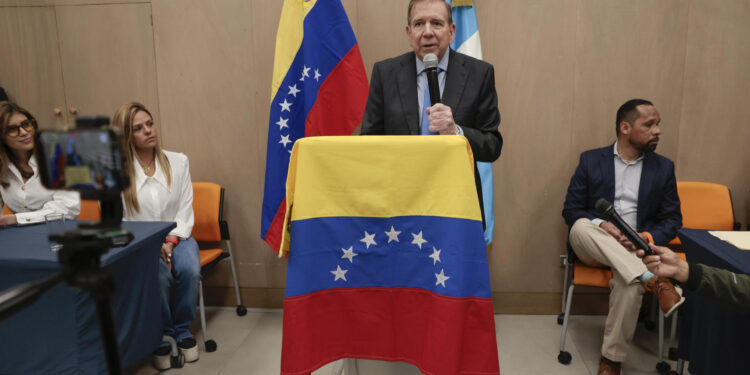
642 186
398 103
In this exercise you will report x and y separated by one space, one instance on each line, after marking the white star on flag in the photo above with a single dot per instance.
282 123
369 239
293 90
285 106
441 278
317 75
435 255
285 140
418 240
349 254
305 73
340 274
393 235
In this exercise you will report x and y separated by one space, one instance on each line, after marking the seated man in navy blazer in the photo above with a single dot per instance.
642 187
399 102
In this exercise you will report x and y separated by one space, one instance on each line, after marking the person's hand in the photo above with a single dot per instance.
665 263
617 235
441 119
9 219
166 253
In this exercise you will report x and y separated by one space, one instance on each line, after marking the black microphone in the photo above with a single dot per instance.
430 62
608 212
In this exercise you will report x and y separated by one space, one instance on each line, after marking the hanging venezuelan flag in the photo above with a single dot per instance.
319 87
386 256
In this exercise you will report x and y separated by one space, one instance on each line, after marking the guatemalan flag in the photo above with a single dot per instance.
319 87
386 256
467 42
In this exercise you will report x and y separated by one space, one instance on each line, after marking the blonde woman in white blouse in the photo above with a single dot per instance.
20 185
161 190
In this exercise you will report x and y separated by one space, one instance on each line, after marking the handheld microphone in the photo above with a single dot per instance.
608 212
430 62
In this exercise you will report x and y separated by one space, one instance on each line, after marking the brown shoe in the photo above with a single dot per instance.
670 297
607 367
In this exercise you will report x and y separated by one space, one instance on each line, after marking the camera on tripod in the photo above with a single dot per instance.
88 160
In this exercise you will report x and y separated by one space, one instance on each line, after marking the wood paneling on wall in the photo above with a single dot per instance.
30 69
107 54
530 46
562 67
715 114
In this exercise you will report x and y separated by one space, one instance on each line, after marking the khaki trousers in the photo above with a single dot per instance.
595 247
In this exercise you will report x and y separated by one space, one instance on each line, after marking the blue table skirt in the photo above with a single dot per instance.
59 333
714 337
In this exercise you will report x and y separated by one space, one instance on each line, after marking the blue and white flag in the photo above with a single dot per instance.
467 42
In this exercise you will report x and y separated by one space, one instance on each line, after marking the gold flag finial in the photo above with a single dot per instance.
462 3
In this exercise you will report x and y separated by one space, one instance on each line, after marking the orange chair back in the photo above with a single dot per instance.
207 202
6 210
90 210
705 205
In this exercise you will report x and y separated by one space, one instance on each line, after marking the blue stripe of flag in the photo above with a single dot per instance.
320 244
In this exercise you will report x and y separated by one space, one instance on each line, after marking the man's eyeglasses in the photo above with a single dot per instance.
15 130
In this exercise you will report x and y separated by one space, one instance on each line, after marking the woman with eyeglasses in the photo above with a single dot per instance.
161 190
21 188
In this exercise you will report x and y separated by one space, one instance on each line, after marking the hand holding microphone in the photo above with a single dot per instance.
441 116
608 212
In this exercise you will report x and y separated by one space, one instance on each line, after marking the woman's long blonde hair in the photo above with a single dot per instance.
123 120
7 110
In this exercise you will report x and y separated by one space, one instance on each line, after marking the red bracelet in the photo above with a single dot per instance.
172 240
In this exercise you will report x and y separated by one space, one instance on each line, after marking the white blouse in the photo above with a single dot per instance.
31 201
160 202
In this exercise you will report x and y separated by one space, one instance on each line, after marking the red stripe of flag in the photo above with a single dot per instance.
438 334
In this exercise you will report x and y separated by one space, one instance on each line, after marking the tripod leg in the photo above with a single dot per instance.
109 335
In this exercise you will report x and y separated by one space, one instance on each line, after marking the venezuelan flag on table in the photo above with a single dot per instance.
319 87
386 256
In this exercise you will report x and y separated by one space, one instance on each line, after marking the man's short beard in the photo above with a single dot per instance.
648 147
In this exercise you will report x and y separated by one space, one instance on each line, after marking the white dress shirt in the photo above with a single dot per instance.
627 184
31 201
160 202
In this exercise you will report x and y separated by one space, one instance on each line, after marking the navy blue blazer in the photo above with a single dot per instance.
658 203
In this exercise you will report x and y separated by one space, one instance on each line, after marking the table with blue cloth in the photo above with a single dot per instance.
59 333
714 337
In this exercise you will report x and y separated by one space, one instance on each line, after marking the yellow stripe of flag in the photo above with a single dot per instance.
380 176
288 39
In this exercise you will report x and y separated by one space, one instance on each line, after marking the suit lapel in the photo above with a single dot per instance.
645 187
407 88
608 172
455 81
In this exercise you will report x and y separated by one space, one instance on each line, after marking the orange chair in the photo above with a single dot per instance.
89 210
208 209
705 205
577 273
